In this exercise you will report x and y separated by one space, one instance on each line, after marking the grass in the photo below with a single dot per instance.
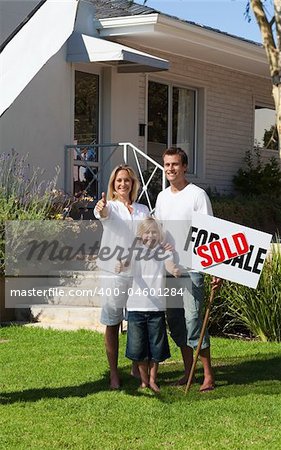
54 395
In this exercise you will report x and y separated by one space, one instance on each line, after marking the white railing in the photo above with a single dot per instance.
129 147
77 156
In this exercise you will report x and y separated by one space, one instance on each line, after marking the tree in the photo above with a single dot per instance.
270 27
270 138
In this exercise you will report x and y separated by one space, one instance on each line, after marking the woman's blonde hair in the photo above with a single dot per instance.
111 194
145 225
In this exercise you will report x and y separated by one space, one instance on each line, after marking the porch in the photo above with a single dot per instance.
86 169
72 297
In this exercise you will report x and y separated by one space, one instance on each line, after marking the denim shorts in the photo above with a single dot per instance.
147 336
184 313
113 306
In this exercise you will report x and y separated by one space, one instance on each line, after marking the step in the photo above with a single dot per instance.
72 301
74 276
85 294
62 317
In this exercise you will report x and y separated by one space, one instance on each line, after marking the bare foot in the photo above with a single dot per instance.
154 387
182 381
135 371
115 383
208 385
144 385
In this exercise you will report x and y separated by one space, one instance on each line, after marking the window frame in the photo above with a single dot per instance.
197 101
261 105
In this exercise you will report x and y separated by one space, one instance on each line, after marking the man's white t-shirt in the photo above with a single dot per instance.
174 210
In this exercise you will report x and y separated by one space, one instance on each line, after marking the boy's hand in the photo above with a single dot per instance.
167 247
171 267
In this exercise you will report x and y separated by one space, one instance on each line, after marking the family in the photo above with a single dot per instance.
154 285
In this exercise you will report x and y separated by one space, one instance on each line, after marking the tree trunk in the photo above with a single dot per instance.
273 51
276 92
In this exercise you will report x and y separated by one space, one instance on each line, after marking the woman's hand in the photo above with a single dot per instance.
119 267
101 207
122 266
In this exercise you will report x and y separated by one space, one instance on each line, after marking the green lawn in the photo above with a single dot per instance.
54 395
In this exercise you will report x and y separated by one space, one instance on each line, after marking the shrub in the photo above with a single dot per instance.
64 205
258 178
259 212
257 311
23 194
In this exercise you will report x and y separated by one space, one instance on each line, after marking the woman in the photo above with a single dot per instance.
118 214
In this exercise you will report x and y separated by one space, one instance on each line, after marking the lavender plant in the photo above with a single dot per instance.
23 194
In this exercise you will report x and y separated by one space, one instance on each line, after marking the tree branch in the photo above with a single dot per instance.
267 36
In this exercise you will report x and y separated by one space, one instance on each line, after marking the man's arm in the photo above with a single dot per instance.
203 204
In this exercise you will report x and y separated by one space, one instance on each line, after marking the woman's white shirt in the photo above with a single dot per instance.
119 231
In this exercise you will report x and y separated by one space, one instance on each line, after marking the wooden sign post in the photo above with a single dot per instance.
204 326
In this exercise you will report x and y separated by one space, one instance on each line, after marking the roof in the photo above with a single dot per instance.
84 48
119 8
122 8
35 6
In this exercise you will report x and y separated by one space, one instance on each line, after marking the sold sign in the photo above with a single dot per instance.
225 249
217 252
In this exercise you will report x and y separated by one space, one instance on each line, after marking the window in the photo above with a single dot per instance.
86 127
86 108
265 128
171 120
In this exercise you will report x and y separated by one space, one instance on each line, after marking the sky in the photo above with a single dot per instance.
225 15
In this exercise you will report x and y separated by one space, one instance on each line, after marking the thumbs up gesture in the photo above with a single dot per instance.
103 199
101 207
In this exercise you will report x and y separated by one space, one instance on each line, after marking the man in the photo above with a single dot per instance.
177 203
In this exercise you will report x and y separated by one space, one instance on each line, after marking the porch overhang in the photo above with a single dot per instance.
83 48
186 39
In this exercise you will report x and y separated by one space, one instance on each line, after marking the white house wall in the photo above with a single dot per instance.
40 121
120 100
125 98
227 115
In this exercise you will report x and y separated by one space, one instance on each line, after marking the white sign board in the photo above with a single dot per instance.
226 250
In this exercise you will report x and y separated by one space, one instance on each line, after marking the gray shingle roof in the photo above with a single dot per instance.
119 8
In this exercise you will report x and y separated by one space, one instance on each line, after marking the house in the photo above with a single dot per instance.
84 82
